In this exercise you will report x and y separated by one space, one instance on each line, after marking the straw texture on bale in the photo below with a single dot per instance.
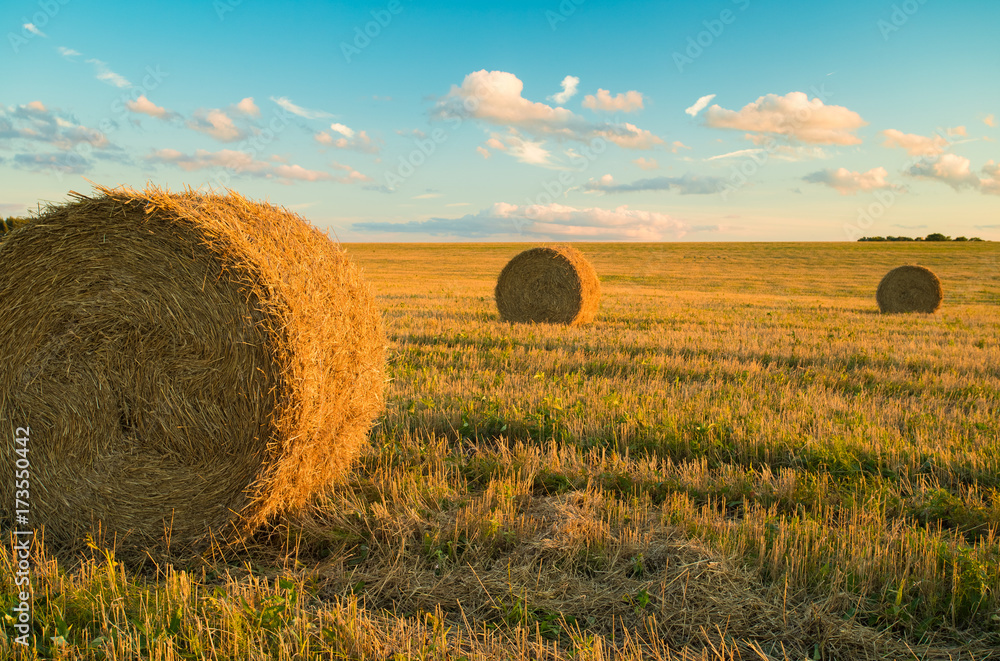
909 288
552 285
184 361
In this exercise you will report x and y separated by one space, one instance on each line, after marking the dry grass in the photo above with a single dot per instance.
739 459
554 285
180 358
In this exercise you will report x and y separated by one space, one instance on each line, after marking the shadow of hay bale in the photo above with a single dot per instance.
909 288
550 285
189 363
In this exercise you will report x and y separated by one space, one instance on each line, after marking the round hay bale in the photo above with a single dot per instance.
909 288
554 285
192 363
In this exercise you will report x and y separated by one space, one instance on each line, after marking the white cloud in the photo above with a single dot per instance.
299 110
545 221
33 29
243 163
990 120
34 122
107 75
343 130
248 107
356 141
699 105
494 97
483 151
628 102
646 163
794 117
628 136
67 52
956 171
688 184
918 145
217 124
144 106
569 85
847 182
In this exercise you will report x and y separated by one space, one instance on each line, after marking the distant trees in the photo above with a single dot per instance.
934 236
9 223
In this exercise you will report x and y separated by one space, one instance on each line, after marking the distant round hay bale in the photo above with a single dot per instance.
553 285
909 288
192 362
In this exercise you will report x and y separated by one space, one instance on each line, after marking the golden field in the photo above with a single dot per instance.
740 458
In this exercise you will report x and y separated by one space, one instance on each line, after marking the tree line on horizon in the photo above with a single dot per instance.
935 236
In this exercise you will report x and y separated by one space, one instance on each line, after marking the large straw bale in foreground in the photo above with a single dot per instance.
909 288
185 361
553 285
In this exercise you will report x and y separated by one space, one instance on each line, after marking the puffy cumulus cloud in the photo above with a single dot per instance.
105 74
919 145
794 117
847 182
495 97
217 124
630 101
956 171
244 163
569 85
349 139
688 184
247 107
699 105
646 163
305 113
34 122
144 106
544 222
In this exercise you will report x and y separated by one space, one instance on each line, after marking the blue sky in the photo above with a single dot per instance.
527 121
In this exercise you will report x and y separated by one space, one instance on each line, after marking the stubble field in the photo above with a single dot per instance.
740 458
